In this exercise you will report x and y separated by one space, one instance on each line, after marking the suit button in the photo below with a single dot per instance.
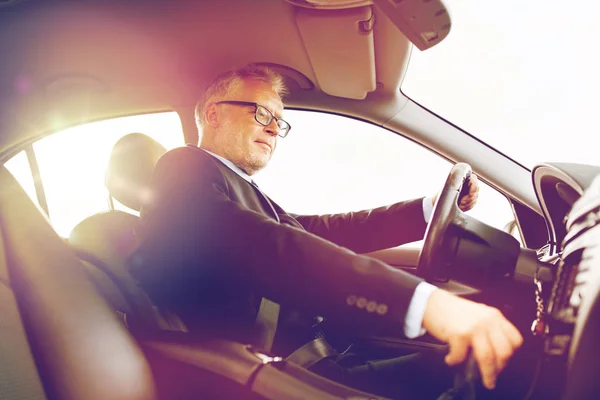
371 306
382 309
361 302
351 300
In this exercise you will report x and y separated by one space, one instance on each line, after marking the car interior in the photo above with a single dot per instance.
86 350
74 323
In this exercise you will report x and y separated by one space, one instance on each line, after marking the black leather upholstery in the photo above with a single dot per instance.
106 240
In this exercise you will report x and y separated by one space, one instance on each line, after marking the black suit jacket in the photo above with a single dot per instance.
213 245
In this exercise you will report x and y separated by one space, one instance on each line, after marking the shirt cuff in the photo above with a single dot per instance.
413 322
427 208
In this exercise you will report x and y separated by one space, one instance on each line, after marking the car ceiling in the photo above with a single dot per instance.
68 62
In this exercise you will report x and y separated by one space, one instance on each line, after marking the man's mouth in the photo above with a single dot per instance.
265 144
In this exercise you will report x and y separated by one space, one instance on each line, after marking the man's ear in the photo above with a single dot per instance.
211 116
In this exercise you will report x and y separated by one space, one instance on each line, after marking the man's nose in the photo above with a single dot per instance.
272 129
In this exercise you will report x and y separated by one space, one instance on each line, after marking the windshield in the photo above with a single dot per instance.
522 76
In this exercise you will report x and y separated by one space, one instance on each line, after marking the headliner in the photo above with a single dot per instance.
70 62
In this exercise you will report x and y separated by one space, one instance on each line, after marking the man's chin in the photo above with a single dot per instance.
256 165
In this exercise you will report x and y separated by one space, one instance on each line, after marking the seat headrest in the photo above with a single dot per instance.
130 168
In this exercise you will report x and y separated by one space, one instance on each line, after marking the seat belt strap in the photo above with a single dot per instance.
311 353
266 322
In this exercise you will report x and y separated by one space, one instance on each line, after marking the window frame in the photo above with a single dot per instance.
27 146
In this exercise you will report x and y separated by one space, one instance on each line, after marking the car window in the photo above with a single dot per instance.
73 162
18 166
330 164
514 79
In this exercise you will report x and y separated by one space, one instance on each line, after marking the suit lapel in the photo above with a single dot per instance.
266 199
282 216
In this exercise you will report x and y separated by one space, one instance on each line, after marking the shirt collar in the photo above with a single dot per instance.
230 165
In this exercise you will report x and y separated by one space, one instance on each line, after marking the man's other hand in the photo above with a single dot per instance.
464 325
468 201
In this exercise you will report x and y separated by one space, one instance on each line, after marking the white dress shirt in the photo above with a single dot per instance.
413 322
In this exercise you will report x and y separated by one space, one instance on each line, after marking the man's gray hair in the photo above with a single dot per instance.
227 81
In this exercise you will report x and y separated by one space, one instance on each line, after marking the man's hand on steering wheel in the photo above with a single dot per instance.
468 201
465 325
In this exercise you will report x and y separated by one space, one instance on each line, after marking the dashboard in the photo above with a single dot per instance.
557 187
569 197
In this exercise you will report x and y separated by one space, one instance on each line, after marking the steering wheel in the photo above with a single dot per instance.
433 265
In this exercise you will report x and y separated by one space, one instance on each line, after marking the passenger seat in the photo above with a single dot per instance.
80 348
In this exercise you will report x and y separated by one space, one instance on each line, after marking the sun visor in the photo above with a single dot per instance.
340 47
424 22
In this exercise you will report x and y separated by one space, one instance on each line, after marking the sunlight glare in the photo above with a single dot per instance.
73 163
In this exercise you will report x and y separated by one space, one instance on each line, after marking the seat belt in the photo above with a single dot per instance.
268 311
268 315
311 353
307 355
266 322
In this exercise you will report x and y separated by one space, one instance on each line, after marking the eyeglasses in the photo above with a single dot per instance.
263 116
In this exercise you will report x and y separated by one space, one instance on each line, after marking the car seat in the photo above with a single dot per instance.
105 240
68 332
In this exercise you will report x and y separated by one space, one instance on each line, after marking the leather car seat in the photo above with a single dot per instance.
105 240
80 348
18 374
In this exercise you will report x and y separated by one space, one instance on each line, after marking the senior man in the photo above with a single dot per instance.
219 245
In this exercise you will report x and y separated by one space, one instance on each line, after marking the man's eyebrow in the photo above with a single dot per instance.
278 114
275 113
